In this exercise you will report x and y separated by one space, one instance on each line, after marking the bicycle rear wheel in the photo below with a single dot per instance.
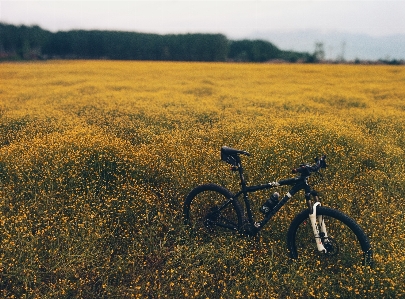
346 243
210 208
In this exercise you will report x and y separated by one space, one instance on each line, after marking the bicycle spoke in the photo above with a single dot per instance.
210 209
342 245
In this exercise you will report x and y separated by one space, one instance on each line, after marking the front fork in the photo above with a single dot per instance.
319 229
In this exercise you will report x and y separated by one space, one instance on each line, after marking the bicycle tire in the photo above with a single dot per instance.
210 208
346 239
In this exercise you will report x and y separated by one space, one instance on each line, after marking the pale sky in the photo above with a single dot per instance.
234 18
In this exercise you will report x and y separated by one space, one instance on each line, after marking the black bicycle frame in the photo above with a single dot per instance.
298 183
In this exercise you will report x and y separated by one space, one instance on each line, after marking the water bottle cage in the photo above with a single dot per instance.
270 204
265 209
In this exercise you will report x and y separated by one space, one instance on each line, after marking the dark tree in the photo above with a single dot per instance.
23 42
254 51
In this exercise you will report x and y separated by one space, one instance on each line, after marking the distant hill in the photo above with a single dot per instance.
336 44
33 42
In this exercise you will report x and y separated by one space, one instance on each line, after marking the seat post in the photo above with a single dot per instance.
245 191
241 175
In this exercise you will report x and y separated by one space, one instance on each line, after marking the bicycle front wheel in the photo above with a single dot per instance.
345 241
210 208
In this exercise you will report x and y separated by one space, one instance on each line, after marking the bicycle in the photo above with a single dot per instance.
331 233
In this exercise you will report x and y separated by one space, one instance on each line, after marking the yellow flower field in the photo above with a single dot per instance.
96 158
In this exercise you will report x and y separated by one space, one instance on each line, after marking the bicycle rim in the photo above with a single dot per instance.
208 210
346 242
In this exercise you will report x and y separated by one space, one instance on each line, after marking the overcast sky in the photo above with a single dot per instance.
234 18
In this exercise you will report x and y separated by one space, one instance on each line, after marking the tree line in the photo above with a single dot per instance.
33 43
